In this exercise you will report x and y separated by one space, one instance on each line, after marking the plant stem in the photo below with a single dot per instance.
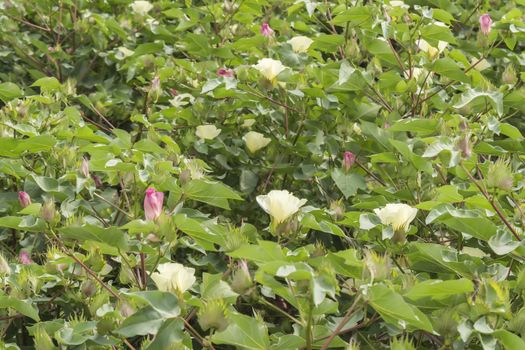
342 324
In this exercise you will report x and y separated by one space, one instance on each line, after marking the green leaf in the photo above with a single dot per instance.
111 236
434 33
47 84
348 183
165 303
495 98
438 289
22 306
245 332
9 91
425 126
213 193
355 15
263 252
145 321
509 340
328 42
395 310
447 67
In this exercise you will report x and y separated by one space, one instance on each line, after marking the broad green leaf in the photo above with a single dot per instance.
213 193
348 183
438 289
9 91
111 236
244 332
22 306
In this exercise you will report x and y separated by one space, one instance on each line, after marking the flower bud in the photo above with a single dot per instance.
266 30
213 315
509 75
500 176
4 266
337 209
24 199
348 160
241 280
97 180
153 203
126 309
465 147
84 167
185 176
155 89
88 288
377 267
234 239
353 344
48 212
485 23
24 258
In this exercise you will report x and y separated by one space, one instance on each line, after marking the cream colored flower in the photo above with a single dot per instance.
300 43
280 205
255 141
141 7
173 277
270 68
424 46
398 215
207 132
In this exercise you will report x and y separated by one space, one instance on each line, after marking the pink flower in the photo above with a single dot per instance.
485 22
84 167
174 92
348 160
225 72
153 203
24 258
24 199
266 30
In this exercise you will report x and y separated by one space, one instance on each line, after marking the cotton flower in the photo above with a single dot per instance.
141 7
24 199
225 72
398 215
300 43
280 205
255 141
266 30
348 160
153 202
173 277
485 23
432 51
270 68
84 167
24 258
207 132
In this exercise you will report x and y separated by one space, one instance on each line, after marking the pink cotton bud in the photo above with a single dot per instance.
96 179
24 258
84 168
24 199
266 30
174 92
153 203
485 22
224 72
348 160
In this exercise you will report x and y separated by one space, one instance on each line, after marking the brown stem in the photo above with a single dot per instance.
342 324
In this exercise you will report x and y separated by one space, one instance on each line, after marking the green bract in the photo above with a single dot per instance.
321 174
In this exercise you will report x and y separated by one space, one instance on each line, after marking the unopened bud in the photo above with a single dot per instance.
4 266
377 267
509 75
500 176
24 258
88 288
213 315
348 160
24 199
48 212
241 280
84 167
465 147
337 209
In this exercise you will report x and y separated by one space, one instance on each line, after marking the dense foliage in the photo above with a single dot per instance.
262 174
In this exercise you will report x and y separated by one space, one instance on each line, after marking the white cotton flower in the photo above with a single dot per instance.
255 141
269 68
398 215
173 277
300 43
141 7
424 46
280 205
207 132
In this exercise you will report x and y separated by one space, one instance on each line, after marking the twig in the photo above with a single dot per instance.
342 324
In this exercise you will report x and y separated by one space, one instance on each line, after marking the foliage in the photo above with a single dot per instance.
102 100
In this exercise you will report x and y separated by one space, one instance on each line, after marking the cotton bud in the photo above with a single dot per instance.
485 23
4 266
225 73
84 167
184 176
353 344
266 30
24 199
153 203
348 160
24 258
241 280
155 89
213 315
88 288
48 212
500 176
377 267
401 344
465 147
235 239
126 309
97 181
337 209
509 75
